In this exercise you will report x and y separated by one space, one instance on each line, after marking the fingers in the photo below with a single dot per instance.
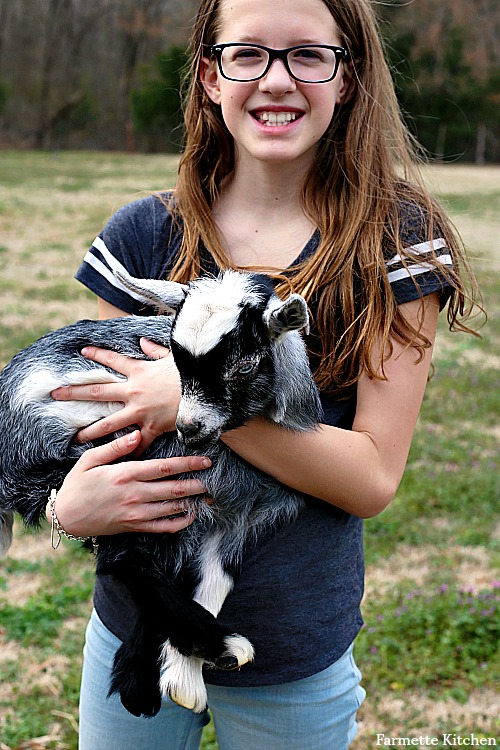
162 509
98 391
163 468
106 454
118 362
168 525
155 351
160 496
120 420
144 471
92 392
133 495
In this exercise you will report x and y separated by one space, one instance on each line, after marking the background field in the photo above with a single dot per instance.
428 651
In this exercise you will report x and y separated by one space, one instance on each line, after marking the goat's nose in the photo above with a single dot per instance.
188 429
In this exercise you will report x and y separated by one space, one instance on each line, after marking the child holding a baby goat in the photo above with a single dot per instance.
296 162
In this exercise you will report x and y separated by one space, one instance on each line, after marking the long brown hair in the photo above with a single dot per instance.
365 170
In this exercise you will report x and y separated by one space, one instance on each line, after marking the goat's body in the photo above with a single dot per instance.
178 581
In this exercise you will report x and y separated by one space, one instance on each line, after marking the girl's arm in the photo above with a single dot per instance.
359 470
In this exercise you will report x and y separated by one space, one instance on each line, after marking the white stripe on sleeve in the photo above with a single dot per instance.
421 249
105 272
416 270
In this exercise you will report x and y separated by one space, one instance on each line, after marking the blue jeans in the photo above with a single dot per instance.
315 713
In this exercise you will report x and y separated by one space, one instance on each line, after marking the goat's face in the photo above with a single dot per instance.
223 341
225 385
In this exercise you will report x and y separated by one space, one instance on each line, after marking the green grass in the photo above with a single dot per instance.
451 632
38 621
42 645
432 556
475 203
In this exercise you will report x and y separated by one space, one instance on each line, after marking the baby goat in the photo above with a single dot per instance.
239 354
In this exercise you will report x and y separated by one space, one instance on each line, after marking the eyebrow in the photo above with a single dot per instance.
256 40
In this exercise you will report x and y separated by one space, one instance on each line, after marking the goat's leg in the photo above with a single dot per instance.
198 638
215 585
166 615
136 672
181 674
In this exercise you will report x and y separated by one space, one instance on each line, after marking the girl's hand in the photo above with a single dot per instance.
99 497
150 394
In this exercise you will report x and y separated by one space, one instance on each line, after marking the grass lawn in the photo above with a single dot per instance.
428 651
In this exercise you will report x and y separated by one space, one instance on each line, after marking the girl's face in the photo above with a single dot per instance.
306 108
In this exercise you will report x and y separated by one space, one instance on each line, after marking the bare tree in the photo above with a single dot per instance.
141 22
64 60
67 25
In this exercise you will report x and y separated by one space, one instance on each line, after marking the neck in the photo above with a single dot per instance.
259 214
265 187
266 181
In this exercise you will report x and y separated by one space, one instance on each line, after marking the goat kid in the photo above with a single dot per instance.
239 355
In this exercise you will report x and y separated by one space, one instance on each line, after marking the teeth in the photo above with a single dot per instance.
276 118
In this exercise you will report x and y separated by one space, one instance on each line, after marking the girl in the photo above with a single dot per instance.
295 162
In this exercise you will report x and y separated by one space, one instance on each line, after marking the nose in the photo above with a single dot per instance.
277 79
188 429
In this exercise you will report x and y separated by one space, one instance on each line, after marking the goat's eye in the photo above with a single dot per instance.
246 369
243 369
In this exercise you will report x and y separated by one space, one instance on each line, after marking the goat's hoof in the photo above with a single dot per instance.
239 651
147 706
136 680
182 679
227 662
141 697
195 701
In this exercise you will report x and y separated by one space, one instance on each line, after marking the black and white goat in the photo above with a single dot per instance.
239 354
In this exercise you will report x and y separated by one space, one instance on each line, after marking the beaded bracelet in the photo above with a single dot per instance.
56 528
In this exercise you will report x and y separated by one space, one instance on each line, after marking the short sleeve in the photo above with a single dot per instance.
426 261
137 239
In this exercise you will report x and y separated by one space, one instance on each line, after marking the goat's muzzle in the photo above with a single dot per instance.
194 434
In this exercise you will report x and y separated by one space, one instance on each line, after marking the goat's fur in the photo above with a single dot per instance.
239 354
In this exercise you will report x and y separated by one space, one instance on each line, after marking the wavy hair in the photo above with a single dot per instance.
365 171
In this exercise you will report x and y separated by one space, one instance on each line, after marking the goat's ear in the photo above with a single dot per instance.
290 315
167 296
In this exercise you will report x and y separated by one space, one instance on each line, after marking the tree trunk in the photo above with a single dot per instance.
481 144
49 61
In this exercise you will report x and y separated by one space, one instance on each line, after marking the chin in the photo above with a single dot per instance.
281 153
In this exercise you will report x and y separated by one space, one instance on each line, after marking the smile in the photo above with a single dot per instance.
273 119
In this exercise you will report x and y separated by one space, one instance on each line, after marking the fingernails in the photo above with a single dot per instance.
206 463
132 436
56 393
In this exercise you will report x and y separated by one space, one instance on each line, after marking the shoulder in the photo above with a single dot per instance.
417 256
142 217
139 238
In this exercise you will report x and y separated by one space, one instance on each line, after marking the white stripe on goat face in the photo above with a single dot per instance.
211 310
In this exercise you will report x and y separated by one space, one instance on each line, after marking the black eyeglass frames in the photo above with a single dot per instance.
307 63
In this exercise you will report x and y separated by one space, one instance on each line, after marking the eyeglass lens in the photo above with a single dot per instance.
246 63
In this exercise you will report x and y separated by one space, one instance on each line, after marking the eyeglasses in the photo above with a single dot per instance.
308 63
